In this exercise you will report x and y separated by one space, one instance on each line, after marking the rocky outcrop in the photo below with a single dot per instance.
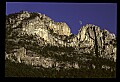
35 39
60 28
36 24
91 36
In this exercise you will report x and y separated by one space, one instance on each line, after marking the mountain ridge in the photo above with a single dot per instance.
35 39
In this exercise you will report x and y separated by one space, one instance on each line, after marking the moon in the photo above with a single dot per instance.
80 22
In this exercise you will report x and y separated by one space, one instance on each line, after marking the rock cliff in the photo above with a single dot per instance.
35 39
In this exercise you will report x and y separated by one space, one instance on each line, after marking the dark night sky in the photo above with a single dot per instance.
103 15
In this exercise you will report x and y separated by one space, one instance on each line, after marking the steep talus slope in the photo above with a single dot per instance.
35 39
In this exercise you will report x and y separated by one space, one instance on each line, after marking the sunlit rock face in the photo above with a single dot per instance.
37 24
60 28
35 39
104 40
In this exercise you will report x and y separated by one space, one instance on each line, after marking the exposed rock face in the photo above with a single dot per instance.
91 35
35 39
60 28
25 23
